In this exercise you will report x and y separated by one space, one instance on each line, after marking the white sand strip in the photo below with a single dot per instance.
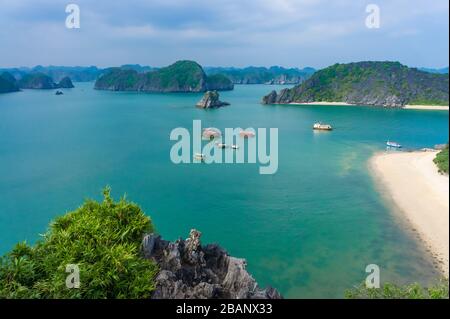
421 193
426 107
322 103
406 107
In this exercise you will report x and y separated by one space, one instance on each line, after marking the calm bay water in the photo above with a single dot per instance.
309 230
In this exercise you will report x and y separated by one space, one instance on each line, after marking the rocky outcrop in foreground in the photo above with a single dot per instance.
211 100
189 270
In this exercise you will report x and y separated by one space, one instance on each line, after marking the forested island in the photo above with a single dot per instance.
388 84
182 76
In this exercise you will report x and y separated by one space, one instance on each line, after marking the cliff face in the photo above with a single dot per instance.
182 76
189 270
388 84
8 83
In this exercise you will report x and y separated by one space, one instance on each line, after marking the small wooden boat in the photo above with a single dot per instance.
393 144
211 133
322 127
246 134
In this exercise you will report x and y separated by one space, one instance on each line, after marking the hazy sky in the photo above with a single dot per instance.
223 32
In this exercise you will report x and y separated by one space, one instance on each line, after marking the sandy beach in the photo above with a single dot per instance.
406 107
412 180
322 103
426 107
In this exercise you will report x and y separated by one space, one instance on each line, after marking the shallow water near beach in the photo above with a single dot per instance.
309 230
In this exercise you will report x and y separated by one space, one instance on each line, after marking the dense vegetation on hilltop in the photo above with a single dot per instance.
103 239
368 83
182 76
441 160
8 83
262 75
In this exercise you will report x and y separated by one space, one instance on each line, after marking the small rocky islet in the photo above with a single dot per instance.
211 100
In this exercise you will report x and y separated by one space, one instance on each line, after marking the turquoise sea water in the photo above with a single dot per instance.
309 230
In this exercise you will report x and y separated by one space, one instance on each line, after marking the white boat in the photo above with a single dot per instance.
221 145
393 144
322 127
234 146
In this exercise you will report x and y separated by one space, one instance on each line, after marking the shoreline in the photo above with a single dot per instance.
412 182
406 107
323 103
426 107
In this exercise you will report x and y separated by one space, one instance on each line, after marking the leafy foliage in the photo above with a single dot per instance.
441 160
103 239
391 291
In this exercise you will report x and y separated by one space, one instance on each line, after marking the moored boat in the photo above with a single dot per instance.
322 127
393 144
211 133
247 134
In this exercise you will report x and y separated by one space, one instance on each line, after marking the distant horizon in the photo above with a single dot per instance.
212 66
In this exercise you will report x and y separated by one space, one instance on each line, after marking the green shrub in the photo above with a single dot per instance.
103 239
441 160
391 291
